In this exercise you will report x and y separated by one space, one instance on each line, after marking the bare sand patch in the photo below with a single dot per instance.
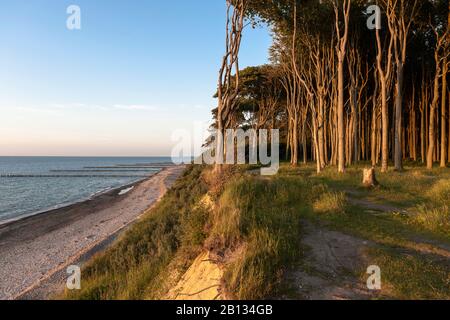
202 281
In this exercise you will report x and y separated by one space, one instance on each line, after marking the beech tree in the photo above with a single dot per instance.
400 15
341 47
339 92
228 84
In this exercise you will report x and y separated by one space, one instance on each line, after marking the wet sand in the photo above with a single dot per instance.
35 251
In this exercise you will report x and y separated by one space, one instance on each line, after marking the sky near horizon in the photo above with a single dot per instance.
135 72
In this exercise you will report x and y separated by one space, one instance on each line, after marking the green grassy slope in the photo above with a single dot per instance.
255 228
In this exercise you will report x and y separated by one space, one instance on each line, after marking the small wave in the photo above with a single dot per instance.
100 192
125 191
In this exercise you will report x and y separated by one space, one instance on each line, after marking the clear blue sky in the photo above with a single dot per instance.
137 70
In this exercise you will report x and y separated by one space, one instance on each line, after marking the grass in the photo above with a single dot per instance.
433 219
424 194
255 224
253 204
412 277
331 202
408 273
440 192
434 213
260 218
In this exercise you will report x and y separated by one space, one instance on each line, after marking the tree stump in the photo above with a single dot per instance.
369 179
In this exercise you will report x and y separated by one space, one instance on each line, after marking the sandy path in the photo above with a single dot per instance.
34 249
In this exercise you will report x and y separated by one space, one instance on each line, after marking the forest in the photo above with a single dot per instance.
348 80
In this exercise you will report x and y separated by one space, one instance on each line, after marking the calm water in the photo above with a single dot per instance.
34 184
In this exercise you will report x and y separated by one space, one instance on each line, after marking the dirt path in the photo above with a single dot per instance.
417 242
333 264
330 262
34 250
356 198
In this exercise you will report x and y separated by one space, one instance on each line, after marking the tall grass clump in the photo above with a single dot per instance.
330 202
433 219
434 214
440 192
259 219
128 268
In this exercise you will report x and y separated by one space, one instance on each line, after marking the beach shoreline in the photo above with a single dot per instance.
35 250
67 206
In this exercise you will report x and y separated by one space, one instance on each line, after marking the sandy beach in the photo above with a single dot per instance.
34 252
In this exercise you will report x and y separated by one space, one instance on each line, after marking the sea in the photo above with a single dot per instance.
32 185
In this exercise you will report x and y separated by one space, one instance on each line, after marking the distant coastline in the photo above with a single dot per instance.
36 247
34 185
67 206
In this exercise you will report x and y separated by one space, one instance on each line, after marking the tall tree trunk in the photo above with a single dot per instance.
422 135
341 52
441 49
444 116
315 136
295 142
320 135
373 150
432 120
385 130
400 14
384 75
335 137
413 133
305 147
398 118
